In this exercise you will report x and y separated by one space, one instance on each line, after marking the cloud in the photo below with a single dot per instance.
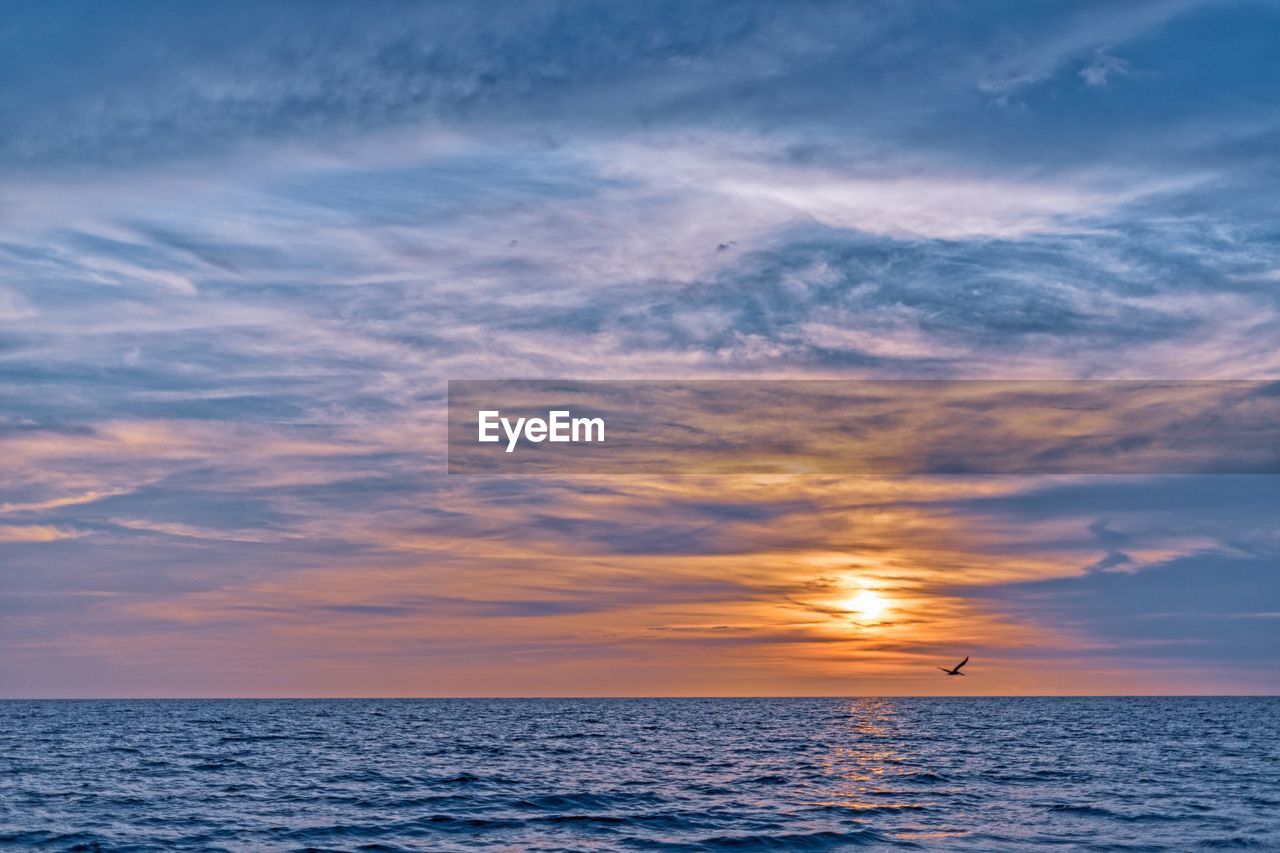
243 249
193 532
33 533
1203 606
773 191
1103 67
13 307
1022 63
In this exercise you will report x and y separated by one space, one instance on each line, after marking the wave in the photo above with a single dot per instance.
1100 812
827 840
665 775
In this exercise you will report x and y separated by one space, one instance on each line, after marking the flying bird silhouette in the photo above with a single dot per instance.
956 669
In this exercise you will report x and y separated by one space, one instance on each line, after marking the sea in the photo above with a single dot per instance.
959 774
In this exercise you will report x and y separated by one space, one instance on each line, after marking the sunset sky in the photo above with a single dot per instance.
243 248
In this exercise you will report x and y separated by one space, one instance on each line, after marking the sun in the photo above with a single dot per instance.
867 605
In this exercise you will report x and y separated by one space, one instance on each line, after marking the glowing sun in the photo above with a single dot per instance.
867 605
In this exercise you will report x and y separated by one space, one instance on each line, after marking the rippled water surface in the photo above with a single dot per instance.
739 774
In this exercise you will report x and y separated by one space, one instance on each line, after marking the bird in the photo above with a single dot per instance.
956 669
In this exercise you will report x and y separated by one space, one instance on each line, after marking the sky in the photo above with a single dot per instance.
243 247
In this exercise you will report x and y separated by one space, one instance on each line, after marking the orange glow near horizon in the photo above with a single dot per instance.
639 585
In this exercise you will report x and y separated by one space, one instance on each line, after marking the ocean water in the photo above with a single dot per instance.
644 774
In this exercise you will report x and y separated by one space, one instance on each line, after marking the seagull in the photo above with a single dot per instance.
956 669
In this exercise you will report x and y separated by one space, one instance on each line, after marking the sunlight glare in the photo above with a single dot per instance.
867 605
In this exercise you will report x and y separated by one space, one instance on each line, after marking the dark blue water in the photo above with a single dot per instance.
735 774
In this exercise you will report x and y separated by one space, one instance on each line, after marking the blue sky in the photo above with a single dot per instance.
242 248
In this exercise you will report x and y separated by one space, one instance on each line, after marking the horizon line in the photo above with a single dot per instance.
633 698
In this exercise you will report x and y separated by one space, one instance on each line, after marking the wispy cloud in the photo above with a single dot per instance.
32 533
